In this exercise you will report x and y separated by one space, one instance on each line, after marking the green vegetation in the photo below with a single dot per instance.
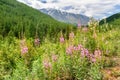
16 18
33 46
113 20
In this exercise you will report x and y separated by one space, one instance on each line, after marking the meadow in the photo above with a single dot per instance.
80 54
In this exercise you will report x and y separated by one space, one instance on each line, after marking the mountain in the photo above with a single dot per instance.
17 18
66 17
113 20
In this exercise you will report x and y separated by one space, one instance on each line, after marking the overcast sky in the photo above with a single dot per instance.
96 8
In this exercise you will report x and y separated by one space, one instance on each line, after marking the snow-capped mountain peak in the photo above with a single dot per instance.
65 16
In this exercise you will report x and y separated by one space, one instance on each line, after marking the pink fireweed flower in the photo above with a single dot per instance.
70 50
76 48
47 64
54 57
80 47
96 56
62 39
79 25
24 49
92 58
37 41
71 35
84 52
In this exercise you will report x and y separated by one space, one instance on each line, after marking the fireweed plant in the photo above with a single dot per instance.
79 55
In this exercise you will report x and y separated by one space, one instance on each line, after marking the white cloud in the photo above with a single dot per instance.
95 8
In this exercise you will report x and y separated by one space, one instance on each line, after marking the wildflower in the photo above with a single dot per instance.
54 57
92 58
47 64
84 52
69 50
79 47
24 49
75 48
79 25
95 56
71 35
37 41
62 39
85 29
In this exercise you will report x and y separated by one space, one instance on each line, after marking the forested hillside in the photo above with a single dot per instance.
113 20
17 18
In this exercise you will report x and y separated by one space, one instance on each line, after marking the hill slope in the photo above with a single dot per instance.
114 20
16 18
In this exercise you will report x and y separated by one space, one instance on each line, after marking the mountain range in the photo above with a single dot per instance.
58 14
66 17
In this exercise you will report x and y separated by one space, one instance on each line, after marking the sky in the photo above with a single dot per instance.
98 9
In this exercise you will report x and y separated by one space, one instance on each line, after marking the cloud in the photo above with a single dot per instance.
95 8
